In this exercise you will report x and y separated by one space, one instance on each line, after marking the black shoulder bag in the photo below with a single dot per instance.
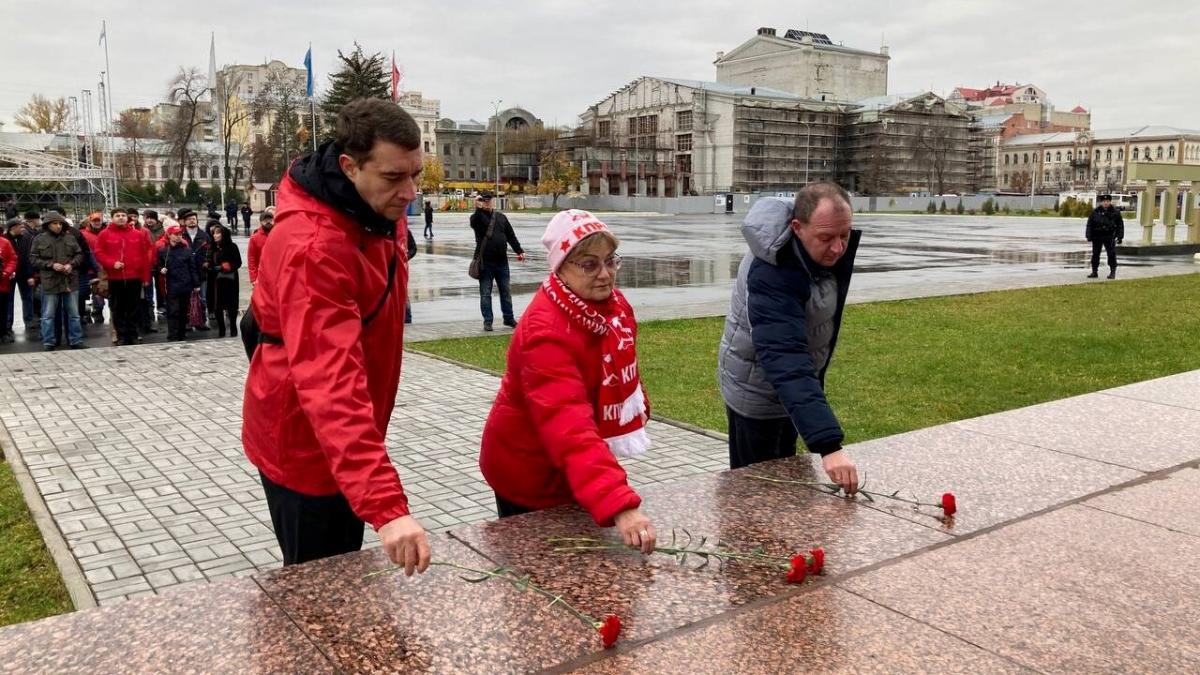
253 336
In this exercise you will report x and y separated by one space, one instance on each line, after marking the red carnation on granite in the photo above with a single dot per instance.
799 568
818 561
948 504
610 629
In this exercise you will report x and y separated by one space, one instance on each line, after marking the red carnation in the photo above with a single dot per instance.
610 629
948 504
796 574
818 561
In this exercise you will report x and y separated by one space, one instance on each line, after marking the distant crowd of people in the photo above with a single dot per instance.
143 267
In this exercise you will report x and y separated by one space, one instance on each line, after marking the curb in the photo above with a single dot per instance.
60 552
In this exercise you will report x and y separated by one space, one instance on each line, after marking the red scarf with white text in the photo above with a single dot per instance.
621 404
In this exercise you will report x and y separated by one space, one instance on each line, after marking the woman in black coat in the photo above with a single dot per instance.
224 261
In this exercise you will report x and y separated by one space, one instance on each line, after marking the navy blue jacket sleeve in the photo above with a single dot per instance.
777 328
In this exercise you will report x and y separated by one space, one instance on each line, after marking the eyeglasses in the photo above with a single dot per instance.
591 266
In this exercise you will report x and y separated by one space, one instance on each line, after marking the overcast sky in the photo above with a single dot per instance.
1130 63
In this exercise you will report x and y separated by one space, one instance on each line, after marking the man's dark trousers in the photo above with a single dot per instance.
311 528
752 441
1110 247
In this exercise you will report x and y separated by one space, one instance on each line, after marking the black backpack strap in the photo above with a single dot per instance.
387 291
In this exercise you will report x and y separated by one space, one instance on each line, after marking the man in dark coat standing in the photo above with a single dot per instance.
1105 228
246 213
493 252
231 215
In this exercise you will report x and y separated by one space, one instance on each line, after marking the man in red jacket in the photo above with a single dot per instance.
259 239
329 302
125 257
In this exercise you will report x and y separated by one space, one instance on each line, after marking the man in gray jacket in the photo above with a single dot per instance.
782 328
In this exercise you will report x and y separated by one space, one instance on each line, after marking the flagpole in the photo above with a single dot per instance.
216 104
312 100
108 140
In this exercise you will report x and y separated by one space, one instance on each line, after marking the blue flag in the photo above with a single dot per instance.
308 89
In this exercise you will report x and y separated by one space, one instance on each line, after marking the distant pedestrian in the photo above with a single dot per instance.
246 213
231 214
428 219
493 236
1105 228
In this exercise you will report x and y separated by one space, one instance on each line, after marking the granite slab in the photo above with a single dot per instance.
1172 502
826 631
1181 390
1122 431
227 627
993 479
432 623
1072 591
655 594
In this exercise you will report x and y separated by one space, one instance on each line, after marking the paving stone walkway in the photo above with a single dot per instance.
137 454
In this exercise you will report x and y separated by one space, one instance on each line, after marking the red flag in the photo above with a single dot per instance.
395 80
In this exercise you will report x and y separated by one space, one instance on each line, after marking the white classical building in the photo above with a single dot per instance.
427 112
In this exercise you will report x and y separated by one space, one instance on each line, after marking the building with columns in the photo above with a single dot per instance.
806 64
1087 160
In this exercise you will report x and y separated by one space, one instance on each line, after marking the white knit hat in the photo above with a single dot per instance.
565 231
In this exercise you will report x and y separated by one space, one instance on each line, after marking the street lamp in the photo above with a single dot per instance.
496 106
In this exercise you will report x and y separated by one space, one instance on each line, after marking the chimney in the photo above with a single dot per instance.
766 31
720 55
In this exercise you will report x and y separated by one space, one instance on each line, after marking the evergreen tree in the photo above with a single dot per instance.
192 192
942 209
359 76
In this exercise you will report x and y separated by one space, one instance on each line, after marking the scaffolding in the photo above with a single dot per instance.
781 147
909 148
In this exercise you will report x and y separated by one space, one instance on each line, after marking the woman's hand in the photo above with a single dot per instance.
636 529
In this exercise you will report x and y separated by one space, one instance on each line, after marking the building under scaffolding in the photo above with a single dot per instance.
667 137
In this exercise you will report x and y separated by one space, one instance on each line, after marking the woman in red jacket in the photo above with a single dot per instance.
571 401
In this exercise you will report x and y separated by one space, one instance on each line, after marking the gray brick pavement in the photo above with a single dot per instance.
137 454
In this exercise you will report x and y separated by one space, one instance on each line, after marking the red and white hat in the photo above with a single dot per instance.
565 231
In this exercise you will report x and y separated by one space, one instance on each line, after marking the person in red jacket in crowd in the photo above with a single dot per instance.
257 240
125 256
8 276
571 401
329 305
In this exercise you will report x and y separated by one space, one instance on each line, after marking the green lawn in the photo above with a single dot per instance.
30 587
911 364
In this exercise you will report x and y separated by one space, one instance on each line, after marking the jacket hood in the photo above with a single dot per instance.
767 227
319 174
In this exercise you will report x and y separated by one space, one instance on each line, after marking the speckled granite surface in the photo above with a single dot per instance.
655 594
430 623
232 627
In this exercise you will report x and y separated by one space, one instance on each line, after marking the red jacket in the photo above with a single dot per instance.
541 446
92 238
254 252
316 408
8 264
128 245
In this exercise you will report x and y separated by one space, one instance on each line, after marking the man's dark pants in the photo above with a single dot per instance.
752 441
488 273
125 299
311 528
1110 247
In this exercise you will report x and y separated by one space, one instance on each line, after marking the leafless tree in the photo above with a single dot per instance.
184 91
235 114
133 124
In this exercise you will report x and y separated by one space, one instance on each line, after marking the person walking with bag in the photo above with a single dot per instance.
224 261
493 236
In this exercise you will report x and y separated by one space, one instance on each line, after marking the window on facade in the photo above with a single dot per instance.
203 171
152 171
1006 160
460 174
426 146
1171 152
1068 155
683 142
472 151
1158 154
1026 159
1108 155
472 174
1058 156
1120 154
216 172
461 151
648 124
446 149
241 173
683 163
1146 152
1135 153
1097 155
633 126
427 127
683 120
605 128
